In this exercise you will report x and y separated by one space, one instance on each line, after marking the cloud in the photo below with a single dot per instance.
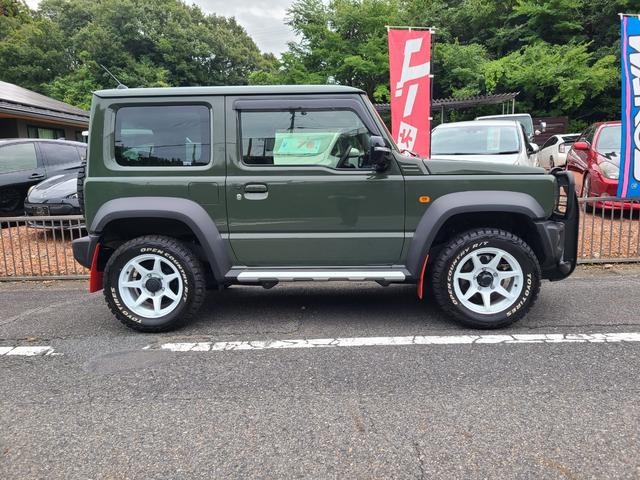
263 20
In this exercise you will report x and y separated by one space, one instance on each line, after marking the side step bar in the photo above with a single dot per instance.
256 276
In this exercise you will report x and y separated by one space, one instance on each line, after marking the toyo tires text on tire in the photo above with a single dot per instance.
153 283
486 278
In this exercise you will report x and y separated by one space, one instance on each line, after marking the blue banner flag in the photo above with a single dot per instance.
629 182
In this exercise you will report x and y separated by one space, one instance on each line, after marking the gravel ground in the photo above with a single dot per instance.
606 234
28 252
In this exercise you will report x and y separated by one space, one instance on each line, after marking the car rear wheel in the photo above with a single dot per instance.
486 278
153 283
10 200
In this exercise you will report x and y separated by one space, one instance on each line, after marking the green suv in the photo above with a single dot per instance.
204 187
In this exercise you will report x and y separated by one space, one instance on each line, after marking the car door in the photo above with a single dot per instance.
20 167
547 152
578 160
300 189
59 157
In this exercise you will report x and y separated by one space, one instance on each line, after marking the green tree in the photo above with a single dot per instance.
58 49
31 51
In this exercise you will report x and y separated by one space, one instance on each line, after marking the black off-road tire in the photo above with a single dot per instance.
187 264
442 270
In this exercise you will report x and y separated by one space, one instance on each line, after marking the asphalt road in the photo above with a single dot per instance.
103 406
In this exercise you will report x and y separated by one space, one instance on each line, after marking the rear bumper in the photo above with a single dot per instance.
559 234
84 248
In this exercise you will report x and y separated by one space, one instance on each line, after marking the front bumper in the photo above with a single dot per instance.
559 234
54 209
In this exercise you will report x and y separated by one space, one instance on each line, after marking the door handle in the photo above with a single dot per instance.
255 188
36 176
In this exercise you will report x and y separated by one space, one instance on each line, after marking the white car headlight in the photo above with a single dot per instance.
73 195
609 170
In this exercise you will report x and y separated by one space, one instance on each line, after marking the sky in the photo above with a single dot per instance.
262 19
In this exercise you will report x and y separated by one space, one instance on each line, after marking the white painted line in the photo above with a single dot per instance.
408 340
28 351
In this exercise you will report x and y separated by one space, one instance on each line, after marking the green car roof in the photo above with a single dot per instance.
233 90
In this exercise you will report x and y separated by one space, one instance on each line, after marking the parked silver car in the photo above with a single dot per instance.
494 141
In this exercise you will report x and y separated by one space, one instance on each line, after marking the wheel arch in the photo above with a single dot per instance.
466 210
170 211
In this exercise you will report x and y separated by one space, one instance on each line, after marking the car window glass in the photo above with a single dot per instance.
334 139
18 157
82 152
609 139
57 154
552 141
476 139
588 135
163 136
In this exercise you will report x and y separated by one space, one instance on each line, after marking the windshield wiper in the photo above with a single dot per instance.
511 152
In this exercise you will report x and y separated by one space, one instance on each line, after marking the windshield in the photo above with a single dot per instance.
609 139
475 139
525 120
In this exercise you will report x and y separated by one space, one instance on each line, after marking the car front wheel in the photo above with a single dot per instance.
486 278
153 283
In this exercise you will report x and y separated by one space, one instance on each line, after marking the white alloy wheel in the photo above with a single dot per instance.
488 280
150 286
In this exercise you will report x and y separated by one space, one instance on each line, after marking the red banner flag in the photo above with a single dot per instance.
410 72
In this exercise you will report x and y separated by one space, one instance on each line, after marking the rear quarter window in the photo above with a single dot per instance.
163 136
57 154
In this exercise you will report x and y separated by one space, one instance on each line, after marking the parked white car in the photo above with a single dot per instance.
554 151
493 141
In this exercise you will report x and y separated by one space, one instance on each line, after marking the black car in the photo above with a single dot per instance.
26 162
57 195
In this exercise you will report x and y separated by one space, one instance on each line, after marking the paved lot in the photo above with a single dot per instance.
100 405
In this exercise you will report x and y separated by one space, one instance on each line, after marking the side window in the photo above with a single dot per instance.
44 132
588 134
552 141
82 151
163 136
59 154
330 138
18 157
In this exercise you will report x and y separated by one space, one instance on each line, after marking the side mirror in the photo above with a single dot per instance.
581 146
534 148
379 153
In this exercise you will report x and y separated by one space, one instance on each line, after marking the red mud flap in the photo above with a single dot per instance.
421 281
95 277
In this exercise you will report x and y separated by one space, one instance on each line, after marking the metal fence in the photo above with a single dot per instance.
609 230
40 247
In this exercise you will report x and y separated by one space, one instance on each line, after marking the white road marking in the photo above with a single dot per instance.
28 351
408 340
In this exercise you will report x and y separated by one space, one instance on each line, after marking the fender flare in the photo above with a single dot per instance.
186 211
451 204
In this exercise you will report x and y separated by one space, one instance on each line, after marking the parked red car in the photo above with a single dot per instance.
595 161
